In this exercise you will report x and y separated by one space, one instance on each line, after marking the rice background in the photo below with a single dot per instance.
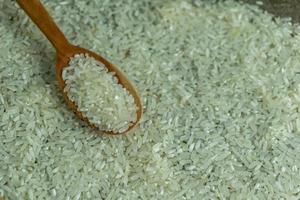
220 86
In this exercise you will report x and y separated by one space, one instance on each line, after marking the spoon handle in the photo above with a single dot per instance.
39 15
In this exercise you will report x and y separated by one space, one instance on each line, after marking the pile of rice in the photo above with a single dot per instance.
220 83
97 94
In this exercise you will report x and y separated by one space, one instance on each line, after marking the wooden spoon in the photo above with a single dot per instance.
65 50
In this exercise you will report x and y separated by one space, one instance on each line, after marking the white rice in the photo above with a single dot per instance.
221 88
98 95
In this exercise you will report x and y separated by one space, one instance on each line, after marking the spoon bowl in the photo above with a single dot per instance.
63 61
65 51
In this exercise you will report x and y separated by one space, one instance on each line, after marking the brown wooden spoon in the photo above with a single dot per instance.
65 50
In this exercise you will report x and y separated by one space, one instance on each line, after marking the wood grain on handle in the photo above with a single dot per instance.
39 15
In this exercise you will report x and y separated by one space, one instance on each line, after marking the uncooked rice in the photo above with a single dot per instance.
98 95
220 84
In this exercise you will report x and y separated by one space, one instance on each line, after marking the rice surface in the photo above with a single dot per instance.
220 84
